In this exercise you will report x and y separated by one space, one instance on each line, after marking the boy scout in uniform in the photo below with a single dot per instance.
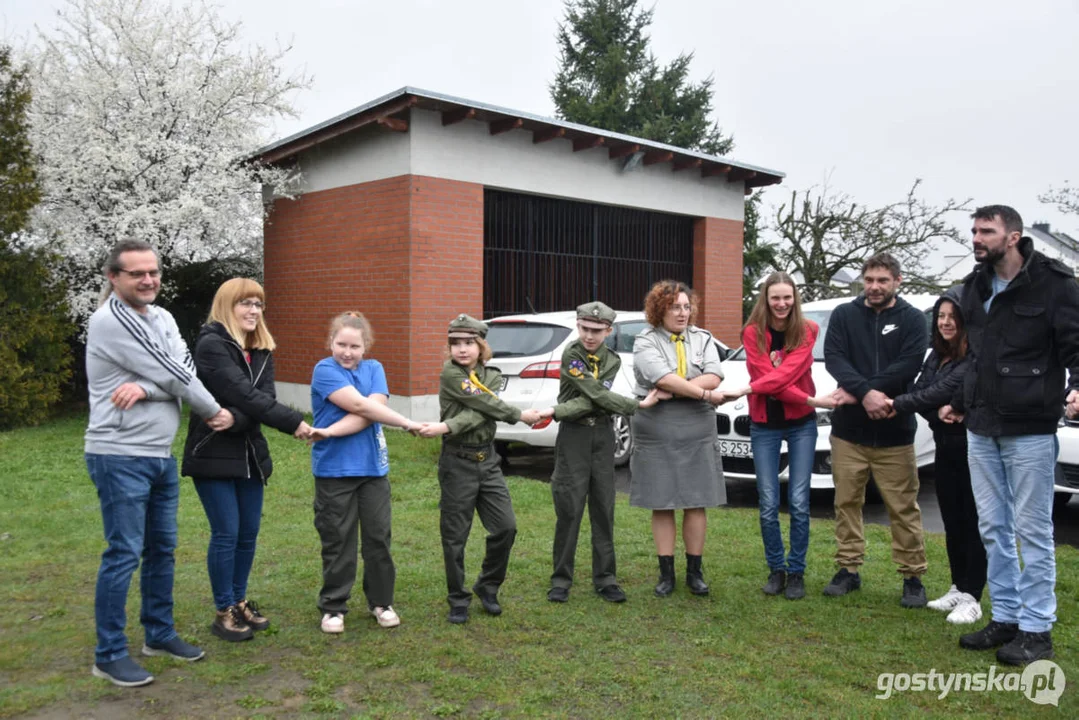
469 470
584 452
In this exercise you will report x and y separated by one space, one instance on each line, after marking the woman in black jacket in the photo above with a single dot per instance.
234 361
941 375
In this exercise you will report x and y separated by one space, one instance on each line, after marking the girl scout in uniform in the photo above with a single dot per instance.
584 452
469 470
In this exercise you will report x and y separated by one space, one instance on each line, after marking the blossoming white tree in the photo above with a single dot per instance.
143 111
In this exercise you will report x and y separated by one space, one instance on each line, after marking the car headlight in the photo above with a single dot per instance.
824 417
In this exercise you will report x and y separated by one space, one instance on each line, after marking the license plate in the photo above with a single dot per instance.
735 448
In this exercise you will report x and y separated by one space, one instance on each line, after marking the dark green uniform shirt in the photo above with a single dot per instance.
581 393
469 411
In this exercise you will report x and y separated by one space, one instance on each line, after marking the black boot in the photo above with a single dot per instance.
665 586
694 575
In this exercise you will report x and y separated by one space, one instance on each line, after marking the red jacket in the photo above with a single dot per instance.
791 383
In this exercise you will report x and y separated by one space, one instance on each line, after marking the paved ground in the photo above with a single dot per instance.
537 464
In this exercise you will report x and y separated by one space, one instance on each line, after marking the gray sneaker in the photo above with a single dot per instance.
796 587
777 580
842 583
913 593
175 648
124 672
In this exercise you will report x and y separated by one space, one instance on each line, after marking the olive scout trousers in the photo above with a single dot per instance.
472 483
584 473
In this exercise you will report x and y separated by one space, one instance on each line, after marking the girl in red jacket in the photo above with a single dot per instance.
778 343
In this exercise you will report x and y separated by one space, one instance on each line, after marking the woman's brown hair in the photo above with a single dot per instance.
795 332
664 294
226 298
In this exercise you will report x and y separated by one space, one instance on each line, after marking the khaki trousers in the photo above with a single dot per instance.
895 472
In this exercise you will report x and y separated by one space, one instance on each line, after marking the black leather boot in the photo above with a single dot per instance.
695 576
665 586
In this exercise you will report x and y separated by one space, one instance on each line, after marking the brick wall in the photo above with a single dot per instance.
447 269
406 251
717 276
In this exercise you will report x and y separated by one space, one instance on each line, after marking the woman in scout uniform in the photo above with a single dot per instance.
584 452
351 467
675 464
469 469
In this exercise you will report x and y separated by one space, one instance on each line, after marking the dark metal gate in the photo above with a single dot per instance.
542 254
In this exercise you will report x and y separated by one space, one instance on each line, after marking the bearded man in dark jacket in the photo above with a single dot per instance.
1022 310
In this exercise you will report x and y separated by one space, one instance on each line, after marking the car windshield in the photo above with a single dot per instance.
821 317
522 339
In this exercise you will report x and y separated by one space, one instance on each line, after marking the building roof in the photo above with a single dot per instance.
391 112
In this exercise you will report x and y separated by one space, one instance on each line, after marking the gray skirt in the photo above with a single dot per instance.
675 462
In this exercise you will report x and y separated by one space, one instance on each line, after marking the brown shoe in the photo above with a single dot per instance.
252 616
230 625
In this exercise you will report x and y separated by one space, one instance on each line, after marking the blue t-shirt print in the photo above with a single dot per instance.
362 454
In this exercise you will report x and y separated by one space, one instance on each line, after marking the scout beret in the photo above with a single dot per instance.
467 326
596 311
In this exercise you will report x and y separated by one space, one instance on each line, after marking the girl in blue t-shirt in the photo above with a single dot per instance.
350 465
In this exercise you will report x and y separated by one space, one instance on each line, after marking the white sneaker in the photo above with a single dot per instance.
947 601
966 612
386 617
333 623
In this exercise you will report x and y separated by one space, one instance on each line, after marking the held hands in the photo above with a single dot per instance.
652 398
530 416
125 396
877 405
1072 408
430 430
303 432
223 420
947 414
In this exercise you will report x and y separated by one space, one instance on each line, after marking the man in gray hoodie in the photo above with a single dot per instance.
138 369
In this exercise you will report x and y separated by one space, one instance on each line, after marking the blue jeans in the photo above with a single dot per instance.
139 497
1012 479
234 509
801 444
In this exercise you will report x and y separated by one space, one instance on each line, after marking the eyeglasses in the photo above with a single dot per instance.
253 305
140 274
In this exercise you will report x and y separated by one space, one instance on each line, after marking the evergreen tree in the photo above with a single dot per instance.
609 78
35 362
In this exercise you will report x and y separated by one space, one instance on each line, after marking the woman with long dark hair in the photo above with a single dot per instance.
942 374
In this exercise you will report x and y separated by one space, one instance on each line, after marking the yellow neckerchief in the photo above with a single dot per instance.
593 360
476 381
679 341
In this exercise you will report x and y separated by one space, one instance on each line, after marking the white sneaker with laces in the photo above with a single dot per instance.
947 601
386 617
333 623
967 611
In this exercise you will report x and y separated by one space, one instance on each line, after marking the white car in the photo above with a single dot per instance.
528 351
1066 482
732 419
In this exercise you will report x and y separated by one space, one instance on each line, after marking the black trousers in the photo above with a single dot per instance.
966 554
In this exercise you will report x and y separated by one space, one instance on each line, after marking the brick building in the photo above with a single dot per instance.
418 206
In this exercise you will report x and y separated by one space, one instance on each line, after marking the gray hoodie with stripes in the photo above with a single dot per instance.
123 346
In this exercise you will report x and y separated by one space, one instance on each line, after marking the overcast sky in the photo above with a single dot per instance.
979 98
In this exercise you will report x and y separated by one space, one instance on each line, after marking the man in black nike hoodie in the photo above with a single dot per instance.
874 348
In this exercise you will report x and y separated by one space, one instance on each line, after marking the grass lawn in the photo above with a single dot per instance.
735 653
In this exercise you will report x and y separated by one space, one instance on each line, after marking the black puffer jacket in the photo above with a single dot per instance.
1024 348
937 383
247 391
